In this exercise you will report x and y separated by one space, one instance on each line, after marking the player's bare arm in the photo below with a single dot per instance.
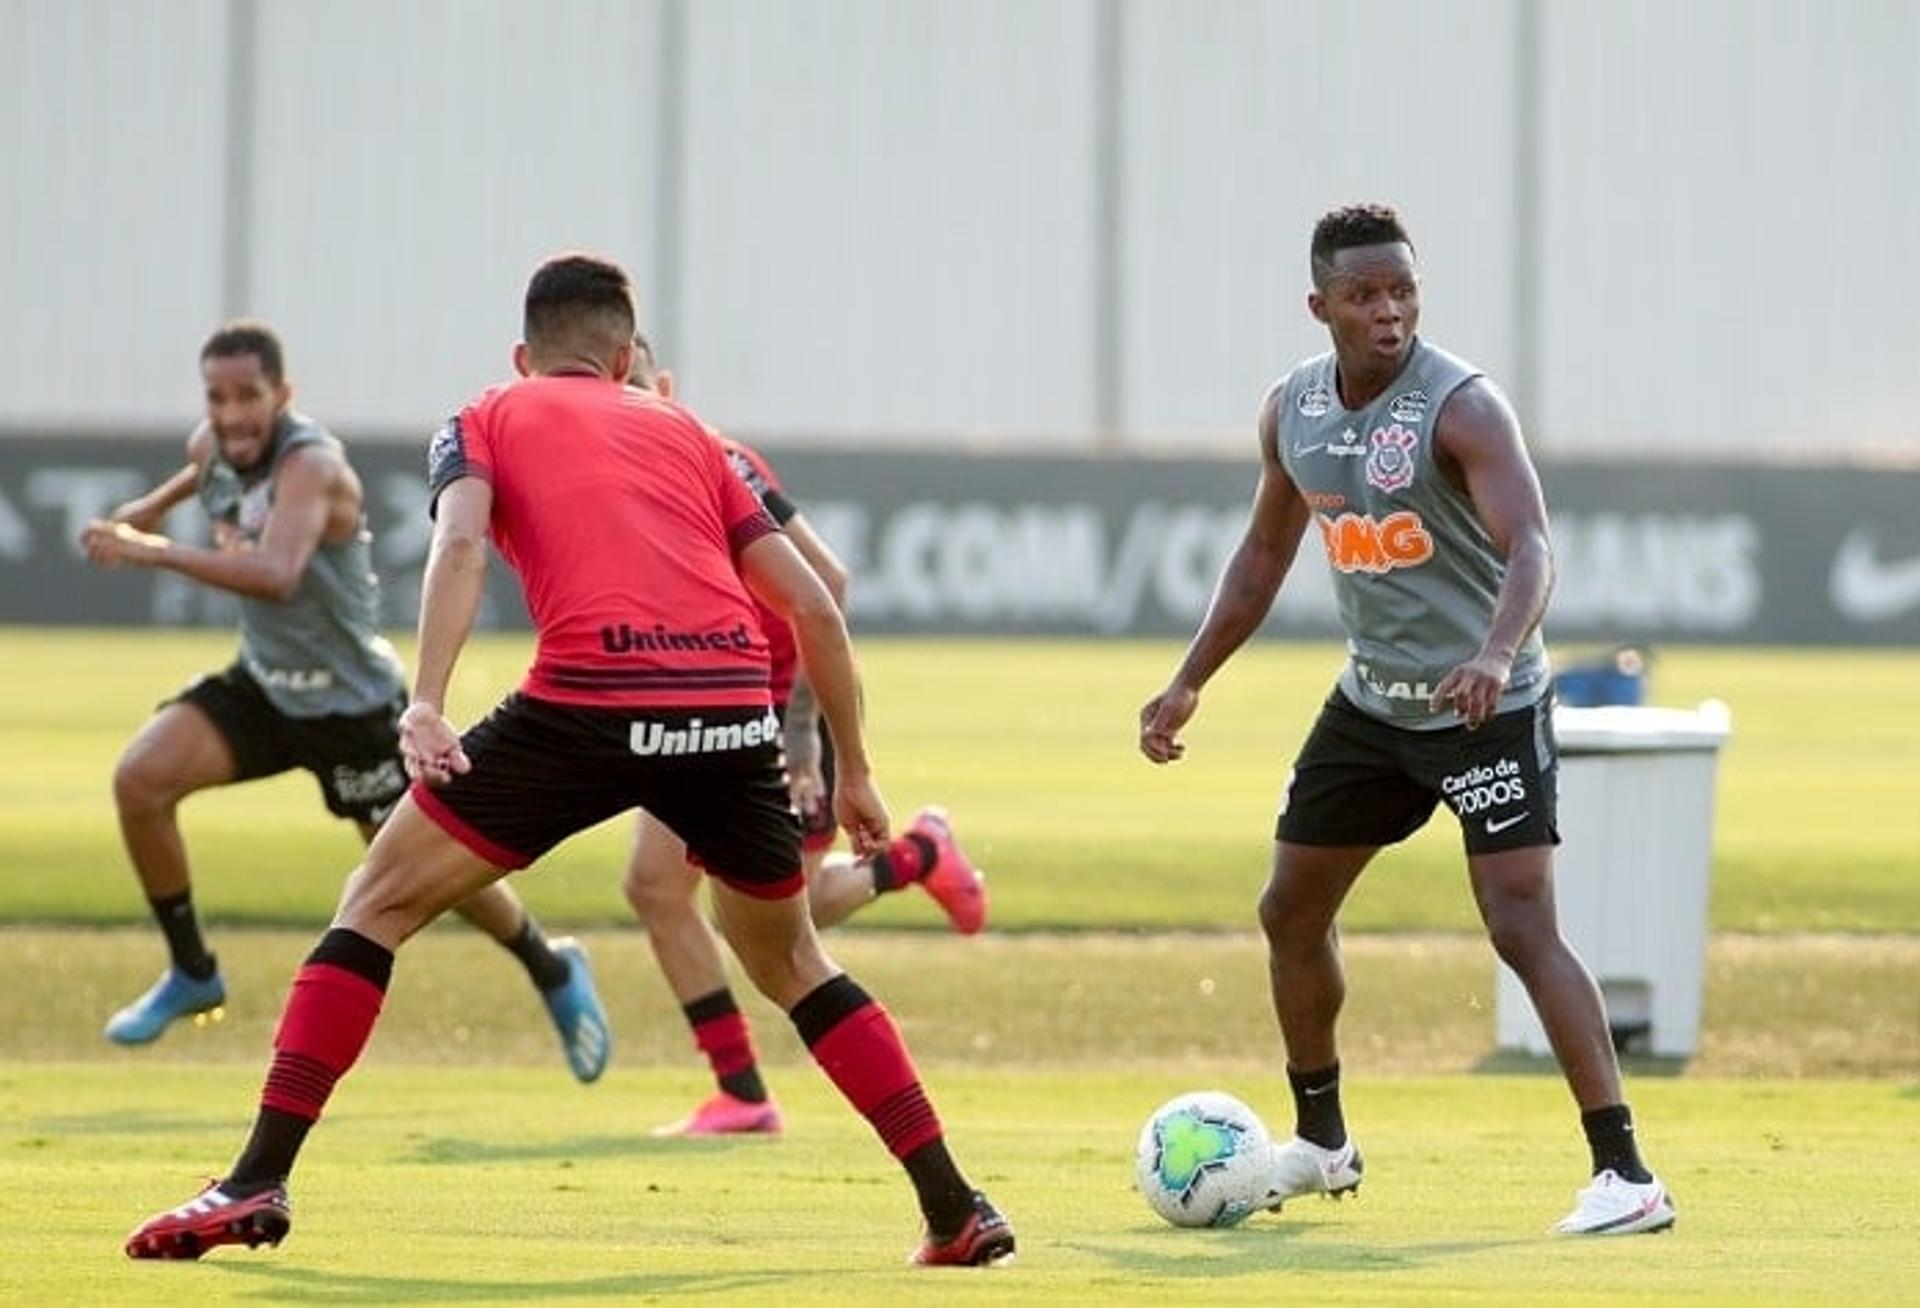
450 596
305 498
805 779
778 574
147 512
819 556
1241 599
1478 442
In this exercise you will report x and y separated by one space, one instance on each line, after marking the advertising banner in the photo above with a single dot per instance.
951 543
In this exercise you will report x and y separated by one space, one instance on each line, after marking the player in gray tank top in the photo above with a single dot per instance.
315 685
1406 468
315 649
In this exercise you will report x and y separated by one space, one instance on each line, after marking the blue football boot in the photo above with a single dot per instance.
174 995
574 1005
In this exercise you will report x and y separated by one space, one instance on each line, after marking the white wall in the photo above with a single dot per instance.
417 159
887 220
1246 121
1732 202
111 167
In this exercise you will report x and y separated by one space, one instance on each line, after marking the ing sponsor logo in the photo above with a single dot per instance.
1360 542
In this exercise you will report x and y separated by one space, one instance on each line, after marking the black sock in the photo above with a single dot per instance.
548 970
1316 1106
888 877
1610 1136
745 1086
945 1197
268 1157
174 913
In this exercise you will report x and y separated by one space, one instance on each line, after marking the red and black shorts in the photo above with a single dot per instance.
1359 781
354 756
543 771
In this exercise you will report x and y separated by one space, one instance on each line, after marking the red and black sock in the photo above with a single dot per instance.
907 860
721 1031
860 1050
330 1013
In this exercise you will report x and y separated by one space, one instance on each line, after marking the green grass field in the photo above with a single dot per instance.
504 1185
1031 746
461 1165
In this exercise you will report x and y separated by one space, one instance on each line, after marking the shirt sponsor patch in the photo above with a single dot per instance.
1314 402
1408 406
1360 542
645 737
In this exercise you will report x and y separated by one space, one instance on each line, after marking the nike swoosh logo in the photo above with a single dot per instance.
1867 590
1299 450
1495 828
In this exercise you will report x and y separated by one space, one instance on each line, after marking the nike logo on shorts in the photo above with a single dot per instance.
1496 825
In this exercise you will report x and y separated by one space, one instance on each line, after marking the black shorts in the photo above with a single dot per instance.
543 771
1359 781
355 757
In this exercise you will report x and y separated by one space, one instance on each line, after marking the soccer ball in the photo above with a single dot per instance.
1204 1160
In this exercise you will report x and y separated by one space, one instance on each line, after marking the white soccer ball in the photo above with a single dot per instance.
1204 1160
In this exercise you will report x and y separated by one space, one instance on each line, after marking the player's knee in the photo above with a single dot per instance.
787 972
140 787
653 898
1280 915
384 902
1519 936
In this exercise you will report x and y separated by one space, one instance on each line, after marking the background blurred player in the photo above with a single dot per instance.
1412 467
635 543
663 886
314 685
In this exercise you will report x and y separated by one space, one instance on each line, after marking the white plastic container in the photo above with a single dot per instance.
1631 876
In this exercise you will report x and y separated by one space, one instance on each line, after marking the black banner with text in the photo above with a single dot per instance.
1110 546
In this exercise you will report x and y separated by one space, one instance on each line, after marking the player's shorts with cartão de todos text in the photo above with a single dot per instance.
1359 781
543 771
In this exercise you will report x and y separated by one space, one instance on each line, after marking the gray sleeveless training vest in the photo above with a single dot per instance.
319 652
1414 571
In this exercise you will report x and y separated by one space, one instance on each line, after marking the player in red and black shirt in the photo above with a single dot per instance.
636 545
663 886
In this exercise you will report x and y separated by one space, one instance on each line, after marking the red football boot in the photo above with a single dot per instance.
955 884
214 1218
986 1239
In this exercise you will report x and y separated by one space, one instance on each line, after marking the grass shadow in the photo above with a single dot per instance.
1514 1062
282 1284
132 1121
1252 1250
443 1150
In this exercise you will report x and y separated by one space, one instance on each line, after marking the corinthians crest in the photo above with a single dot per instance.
1390 458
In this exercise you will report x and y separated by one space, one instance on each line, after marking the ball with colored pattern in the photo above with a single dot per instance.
1204 1159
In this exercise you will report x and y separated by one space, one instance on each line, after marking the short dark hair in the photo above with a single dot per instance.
248 336
1350 226
579 302
646 365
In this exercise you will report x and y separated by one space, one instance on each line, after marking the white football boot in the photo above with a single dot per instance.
1301 1167
1613 1205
